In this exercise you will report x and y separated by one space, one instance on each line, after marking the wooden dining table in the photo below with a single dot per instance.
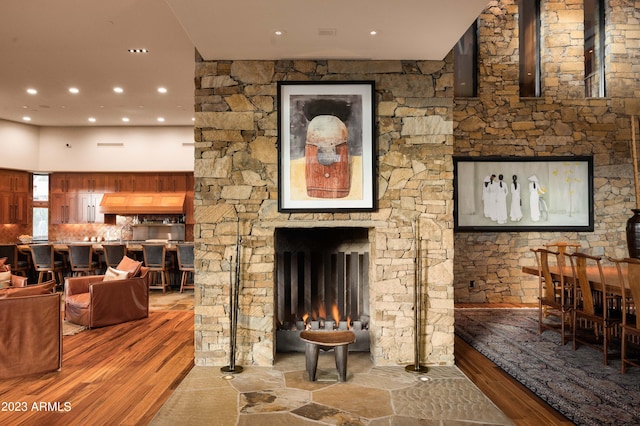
612 283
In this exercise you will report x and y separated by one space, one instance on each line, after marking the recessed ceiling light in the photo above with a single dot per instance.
25 118
125 119
278 32
32 91
160 119
373 32
74 90
92 119
138 51
162 90
118 89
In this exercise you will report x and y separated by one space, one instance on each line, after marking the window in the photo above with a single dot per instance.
465 63
40 207
529 27
594 82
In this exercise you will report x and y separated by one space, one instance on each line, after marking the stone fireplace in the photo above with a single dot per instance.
236 203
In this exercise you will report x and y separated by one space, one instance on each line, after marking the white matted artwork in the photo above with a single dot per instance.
523 193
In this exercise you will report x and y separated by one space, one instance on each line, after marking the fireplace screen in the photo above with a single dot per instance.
322 283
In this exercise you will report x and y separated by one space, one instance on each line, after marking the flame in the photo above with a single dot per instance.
349 326
335 313
321 312
305 317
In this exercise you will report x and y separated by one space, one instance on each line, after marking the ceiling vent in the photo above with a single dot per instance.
327 32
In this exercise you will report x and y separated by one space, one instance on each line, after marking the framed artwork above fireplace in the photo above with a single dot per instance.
326 146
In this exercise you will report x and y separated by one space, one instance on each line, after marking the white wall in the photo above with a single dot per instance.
144 149
19 147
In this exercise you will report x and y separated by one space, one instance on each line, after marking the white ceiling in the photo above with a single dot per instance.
52 45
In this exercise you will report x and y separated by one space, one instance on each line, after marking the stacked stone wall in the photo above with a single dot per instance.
236 189
561 122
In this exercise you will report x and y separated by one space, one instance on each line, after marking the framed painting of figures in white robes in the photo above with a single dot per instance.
523 193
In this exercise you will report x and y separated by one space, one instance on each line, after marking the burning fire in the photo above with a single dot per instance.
335 313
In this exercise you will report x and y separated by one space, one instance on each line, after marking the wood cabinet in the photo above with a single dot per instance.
118 182
15 197
91 183
75 197
77 182
14 181
14 207
63 208
171 182
60 183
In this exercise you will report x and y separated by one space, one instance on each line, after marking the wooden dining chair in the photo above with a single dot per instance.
629 277
155 259
113 254
44 261
186 265
554 296
10 251
81 259
592 320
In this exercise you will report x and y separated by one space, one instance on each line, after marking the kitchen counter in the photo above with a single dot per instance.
132 245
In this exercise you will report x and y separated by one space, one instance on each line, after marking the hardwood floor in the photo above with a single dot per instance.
516 401
123 374
118 375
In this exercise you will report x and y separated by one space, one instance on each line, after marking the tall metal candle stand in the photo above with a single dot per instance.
417 305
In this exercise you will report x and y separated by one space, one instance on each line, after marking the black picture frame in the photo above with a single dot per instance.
326 146
563 184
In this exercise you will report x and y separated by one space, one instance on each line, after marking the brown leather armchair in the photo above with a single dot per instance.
31 331
92 302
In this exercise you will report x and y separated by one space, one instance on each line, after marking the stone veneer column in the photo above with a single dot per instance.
236 177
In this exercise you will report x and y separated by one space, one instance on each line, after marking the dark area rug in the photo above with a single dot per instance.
576 383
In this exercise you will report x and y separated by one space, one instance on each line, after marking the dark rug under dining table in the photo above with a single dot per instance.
576 383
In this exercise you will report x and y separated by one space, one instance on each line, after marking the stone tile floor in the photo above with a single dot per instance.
282 395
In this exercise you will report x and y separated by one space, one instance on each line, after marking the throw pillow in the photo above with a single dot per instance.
129 265
113 274
30 290
5 279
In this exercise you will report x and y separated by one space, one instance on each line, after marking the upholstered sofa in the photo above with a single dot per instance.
30 330
93 302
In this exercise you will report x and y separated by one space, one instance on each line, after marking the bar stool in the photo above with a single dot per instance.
81 259
44 260
186 265
113 254
10 251
155 259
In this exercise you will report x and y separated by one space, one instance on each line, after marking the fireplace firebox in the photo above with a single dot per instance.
322 284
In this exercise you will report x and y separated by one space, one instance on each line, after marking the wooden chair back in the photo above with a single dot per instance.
43 256
547 286
113 253
631 282
185 256
154 256
80 257
580 263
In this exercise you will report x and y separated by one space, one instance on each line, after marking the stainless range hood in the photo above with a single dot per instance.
143 203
